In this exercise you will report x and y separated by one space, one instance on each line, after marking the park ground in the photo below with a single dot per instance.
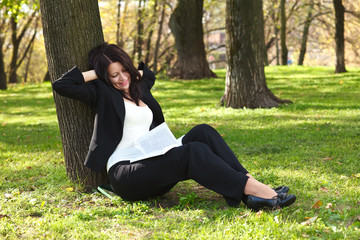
312 146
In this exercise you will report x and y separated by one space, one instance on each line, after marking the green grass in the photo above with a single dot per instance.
312 146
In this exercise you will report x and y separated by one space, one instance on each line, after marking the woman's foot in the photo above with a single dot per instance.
279 201
258 189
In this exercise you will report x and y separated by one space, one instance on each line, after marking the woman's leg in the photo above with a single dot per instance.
194 160
208 135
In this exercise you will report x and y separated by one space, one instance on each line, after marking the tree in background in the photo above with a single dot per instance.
3 26
186 26
284 50
11 13
71 29
339 36
16 38
245 84
158 38
305 33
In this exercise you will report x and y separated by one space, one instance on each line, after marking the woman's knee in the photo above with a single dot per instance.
203 127
198 149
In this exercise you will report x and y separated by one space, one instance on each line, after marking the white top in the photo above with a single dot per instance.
137 122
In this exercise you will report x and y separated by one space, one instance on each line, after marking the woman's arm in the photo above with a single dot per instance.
147 75
73 85
89 75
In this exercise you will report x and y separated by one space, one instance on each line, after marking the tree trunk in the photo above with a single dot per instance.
47 77
118 21
186 26
16 40
15 50
157 45
284 50
71 29
3 85
305 34
120 35
29 60
140 29
151 31
245 84
339 36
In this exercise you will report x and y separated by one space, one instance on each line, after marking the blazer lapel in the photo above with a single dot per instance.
118 104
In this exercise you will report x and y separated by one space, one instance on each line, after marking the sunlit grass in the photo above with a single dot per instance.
312 145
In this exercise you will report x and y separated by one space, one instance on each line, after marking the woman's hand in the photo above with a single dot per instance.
89 75
141 72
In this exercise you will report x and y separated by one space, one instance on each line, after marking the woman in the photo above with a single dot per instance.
125 110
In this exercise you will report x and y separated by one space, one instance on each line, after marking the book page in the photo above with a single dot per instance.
157 141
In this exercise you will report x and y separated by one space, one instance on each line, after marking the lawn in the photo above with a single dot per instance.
312 146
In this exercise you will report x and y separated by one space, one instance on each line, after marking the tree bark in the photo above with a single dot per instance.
159 34
3 84
71 29
306 33
15 50
140 29
284 50
118 21
186 26
151 31
16 40
339 36
245 84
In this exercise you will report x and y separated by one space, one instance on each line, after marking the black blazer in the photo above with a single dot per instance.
108 104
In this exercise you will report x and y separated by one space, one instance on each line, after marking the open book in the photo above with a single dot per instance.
154 143
157 141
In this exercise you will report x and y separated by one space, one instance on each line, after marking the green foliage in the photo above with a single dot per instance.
19 8
312 146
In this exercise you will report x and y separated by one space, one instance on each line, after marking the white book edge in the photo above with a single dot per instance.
156 142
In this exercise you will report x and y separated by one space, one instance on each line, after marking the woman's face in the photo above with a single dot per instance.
119 77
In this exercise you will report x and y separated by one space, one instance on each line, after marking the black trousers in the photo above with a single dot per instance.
203 157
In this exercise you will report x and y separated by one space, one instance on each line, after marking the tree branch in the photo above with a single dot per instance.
355 14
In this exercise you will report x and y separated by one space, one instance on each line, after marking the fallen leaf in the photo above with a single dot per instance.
355 175
8 195
318 204
328 206
305 235
341 82
244 216
255 162
327 158
324 189
4 124
259 213
70 189
4 216
202 109
28 167
309 221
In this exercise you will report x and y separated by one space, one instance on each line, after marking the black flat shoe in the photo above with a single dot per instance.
279 201
282 189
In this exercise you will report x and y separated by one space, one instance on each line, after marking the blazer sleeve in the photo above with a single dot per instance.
148 76
72 85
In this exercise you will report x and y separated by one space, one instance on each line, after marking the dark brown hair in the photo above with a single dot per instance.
101 56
